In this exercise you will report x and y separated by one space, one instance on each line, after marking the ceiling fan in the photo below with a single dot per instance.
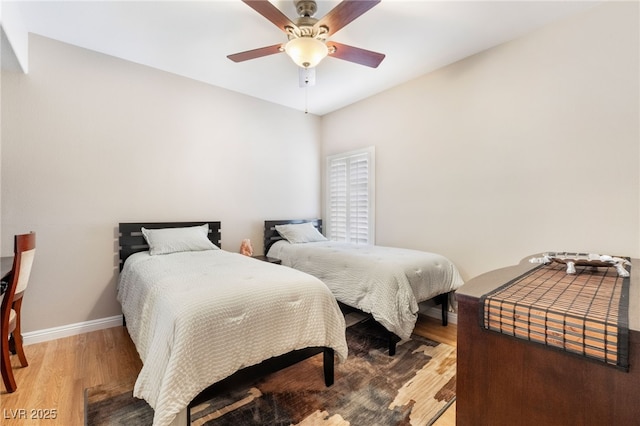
308 43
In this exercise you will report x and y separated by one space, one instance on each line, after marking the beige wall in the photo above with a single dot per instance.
528 147
89 140
531 146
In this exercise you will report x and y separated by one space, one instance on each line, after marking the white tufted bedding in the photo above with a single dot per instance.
198 317
383 281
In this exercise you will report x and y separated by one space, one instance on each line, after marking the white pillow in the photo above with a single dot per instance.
171 240
300 233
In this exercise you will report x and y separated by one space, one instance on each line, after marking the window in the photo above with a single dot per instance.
349 197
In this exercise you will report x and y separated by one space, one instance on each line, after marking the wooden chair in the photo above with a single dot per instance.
10 333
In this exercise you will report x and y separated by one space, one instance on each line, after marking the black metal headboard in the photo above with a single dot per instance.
271 235
132 241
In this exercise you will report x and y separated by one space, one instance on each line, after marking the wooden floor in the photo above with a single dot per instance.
59 370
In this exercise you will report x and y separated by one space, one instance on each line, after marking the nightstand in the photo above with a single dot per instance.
268 259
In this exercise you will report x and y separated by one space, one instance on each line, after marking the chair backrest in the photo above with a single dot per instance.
24 252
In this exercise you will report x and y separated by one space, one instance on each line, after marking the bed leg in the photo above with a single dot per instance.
393 340
443 300
328 361
445 310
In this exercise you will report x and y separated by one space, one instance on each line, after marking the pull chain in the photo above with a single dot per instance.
306 100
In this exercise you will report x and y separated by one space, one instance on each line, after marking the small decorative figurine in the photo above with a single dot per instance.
584 259
245 247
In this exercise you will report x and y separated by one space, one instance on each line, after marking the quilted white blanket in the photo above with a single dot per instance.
383 281
198 317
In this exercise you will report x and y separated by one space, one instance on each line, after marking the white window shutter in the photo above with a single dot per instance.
349 197
338 200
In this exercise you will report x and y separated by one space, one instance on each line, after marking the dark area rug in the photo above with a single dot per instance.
371 388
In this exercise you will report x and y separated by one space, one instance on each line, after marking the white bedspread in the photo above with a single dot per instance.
383 281
198 317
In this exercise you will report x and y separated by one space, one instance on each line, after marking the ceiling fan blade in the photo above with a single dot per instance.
256 53
355 54
344 13
272 13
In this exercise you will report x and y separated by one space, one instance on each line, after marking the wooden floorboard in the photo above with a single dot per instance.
59 370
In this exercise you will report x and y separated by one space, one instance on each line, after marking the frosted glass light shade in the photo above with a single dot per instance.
306 52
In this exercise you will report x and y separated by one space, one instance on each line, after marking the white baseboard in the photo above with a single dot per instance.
436 312
116 321
70 330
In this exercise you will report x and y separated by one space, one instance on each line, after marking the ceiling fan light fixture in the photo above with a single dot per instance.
306 52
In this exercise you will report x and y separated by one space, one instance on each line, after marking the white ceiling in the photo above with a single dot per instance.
193 38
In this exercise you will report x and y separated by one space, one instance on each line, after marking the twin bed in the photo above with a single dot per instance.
199 315
386 282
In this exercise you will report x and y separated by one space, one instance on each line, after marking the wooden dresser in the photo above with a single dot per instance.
502 380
